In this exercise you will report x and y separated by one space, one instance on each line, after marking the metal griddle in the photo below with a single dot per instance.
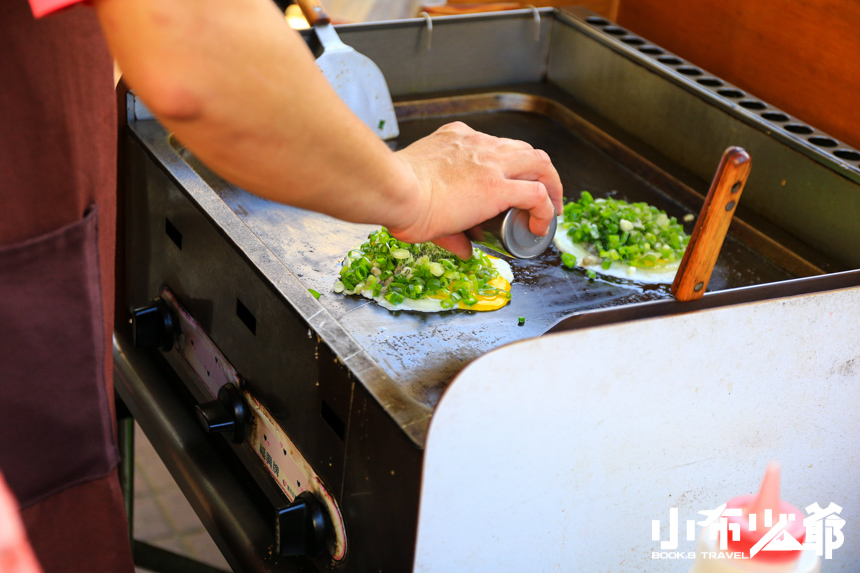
422 352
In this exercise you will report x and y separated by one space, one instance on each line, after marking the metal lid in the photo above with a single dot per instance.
518 240
509 234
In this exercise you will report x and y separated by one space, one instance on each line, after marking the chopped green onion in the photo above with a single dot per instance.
316 294
634 234
568 260
394 298
591 274
521 321
436 269
394 270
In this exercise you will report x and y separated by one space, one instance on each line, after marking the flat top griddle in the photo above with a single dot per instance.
422 352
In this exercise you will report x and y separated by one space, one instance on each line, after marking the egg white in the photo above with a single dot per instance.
432 304
662 275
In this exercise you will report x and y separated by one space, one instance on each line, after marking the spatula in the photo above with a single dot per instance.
356 79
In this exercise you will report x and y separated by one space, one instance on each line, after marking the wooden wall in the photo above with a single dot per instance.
800 55
606 8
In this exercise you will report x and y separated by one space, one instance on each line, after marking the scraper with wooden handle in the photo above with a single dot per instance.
693 275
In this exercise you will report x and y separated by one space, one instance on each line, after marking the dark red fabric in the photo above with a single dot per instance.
57 158
57 131
97 544
55 424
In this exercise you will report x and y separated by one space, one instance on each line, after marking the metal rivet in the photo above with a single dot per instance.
736 187
730 206
699 287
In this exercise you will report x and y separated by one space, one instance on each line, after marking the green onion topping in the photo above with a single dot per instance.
633 234
396 271
568 260
315 293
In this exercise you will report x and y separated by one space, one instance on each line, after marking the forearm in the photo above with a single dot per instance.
241 90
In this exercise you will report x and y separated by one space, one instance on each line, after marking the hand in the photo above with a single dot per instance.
16 556
465 177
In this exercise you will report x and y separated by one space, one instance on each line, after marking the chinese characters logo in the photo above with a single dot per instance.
820 531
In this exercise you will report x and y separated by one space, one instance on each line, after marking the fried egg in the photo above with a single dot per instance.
434 303
664 274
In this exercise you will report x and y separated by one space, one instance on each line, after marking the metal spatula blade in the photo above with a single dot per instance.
356 79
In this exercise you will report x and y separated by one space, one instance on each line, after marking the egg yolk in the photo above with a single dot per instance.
490 302
485 303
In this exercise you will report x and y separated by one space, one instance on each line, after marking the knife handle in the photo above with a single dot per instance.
314 12
696 267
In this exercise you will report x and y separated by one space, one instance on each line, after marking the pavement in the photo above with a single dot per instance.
162 515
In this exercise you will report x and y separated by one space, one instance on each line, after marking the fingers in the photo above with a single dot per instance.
499 144
535 165
531 196
457 244
456 126
520 161
539 224
467 176
506 144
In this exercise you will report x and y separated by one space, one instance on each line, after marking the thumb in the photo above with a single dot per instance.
457 244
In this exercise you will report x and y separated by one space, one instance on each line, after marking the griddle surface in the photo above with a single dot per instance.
422 352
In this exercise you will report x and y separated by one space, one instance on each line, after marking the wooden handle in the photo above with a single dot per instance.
314 12
711 227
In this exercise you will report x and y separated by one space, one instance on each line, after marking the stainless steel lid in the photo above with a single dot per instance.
508 233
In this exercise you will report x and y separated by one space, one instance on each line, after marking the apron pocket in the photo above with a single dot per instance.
55 426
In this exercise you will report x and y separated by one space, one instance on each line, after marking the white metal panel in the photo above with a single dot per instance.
556 453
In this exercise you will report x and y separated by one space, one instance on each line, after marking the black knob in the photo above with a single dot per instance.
301 527
154 326
225 414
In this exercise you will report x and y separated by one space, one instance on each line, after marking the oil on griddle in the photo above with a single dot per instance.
422 352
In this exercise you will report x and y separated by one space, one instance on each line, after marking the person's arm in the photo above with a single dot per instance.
240 89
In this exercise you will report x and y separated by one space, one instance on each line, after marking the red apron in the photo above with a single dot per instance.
57 219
